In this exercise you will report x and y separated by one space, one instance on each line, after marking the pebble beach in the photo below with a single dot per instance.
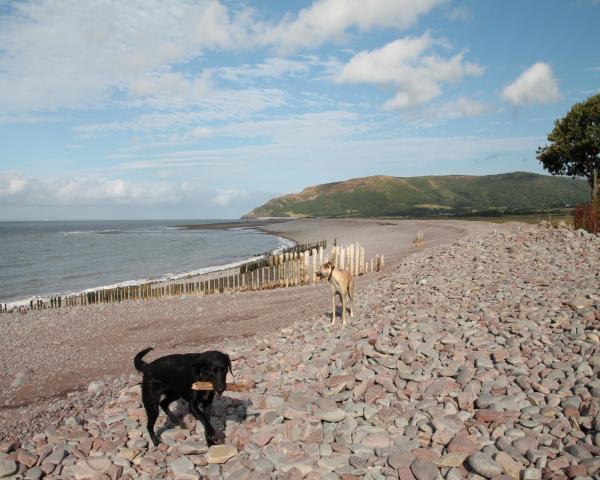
475 357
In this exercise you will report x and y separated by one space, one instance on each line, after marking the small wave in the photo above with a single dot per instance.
167 277
109 232
95 232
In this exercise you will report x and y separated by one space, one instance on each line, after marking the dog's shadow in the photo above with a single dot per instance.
224 408
338 312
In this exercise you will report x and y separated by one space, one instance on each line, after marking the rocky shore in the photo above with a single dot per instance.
475 360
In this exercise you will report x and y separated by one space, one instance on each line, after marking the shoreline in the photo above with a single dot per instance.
166 278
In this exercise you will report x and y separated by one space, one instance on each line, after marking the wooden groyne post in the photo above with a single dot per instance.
295 266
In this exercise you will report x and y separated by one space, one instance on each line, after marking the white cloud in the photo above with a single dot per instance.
417 78
54 197
75 54
291 130
169 90
225 196
330 20
217 105
16 189
535 85
459 108
460 13
463 107
27 119
270 68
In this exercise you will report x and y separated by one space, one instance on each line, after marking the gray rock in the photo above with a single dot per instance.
262 465
335 415
578 451
591 464
424 470
7 468
34 473
181 465
56 456
484 465
400 459
334 462
532 474
95 387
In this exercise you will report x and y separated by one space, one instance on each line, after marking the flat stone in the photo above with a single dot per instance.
576 471
334 462
532 474
376 440
424 470
400 459
334 416
451 423
56 457
558 463
34 473
451 460
262 465
578 451
26 458
484 465
181 465
193 447
220 453
128 454
511 467
463 443
8 468
591 464
91 468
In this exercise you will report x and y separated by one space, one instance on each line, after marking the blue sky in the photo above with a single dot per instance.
206 109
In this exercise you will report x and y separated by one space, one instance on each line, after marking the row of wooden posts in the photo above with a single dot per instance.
267 258
280 271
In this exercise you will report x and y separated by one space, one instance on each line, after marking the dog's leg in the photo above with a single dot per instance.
151 405
209 432
333 311
333 306
164 404
343 309
351 296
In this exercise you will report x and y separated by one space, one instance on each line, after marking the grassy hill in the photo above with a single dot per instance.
381 196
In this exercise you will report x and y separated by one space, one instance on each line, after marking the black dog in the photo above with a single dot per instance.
173 375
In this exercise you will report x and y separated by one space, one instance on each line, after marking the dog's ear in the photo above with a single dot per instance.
229 365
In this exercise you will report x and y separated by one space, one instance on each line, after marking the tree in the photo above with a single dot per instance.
574 148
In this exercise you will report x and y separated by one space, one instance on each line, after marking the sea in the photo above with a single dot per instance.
43 259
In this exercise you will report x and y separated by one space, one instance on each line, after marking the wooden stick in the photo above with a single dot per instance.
232 387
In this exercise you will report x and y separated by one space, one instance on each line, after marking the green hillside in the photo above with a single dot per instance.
381 196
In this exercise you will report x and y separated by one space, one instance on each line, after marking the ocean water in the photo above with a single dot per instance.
50 258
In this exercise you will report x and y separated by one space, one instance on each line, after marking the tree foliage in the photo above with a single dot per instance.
574 147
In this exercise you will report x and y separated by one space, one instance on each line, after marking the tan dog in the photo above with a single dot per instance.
342 284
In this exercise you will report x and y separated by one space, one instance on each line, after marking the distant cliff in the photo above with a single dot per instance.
426 196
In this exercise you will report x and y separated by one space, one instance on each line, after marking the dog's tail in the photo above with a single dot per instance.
138 362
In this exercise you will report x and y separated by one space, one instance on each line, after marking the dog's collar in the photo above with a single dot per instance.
331 274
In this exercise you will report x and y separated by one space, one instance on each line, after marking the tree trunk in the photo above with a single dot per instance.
596 191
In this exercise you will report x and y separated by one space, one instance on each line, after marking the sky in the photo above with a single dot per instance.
206 109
